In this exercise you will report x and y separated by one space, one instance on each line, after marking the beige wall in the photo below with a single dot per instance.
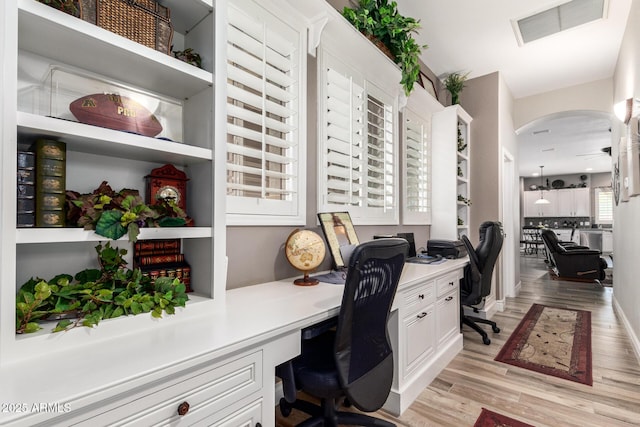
595 96
626 232
256 254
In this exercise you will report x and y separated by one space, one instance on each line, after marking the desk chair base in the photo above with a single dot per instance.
326 414
472 322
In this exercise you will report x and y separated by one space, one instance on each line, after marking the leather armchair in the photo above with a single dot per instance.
573 262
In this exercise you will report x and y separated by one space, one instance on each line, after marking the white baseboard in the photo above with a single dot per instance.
635 342
500 305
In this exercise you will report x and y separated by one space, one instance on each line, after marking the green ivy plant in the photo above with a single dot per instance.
96 294
380 19
67 6
113 214
454 83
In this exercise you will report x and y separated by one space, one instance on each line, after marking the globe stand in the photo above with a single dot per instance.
306 281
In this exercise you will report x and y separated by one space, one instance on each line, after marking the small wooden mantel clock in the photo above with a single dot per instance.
167 182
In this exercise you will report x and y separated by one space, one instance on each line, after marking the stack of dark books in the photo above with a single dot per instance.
162 258
26 188
41 184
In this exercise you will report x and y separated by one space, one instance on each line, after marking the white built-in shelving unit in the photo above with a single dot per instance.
451 130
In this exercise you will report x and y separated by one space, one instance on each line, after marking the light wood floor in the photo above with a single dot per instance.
473 380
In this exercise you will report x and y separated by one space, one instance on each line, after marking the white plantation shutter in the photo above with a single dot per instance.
358 159
604 205
417 159
264 154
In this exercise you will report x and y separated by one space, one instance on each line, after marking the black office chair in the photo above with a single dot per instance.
355 360
476 283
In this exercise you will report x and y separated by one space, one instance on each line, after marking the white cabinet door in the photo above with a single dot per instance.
530 208
420 333
574 202
582 202
448 321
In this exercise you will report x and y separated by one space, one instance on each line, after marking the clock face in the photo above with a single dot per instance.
169 192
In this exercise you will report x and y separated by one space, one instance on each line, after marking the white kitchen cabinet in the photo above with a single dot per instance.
574 202
607 241
531 209
450 172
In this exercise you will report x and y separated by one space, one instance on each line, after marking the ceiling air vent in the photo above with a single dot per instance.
562 17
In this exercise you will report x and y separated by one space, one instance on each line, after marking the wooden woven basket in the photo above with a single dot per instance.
143 21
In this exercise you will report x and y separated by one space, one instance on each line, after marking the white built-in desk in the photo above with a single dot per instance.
220 358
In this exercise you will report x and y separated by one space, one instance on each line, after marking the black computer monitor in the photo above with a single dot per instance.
339 232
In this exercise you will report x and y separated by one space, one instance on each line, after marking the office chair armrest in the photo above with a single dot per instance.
581 252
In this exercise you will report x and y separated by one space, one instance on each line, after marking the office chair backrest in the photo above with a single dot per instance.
482 260
363 352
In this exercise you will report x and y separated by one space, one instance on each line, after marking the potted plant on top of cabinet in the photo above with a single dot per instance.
380 21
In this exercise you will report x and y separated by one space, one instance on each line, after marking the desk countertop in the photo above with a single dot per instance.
248 316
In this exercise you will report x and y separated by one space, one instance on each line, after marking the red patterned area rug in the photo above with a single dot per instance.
554 341
489 418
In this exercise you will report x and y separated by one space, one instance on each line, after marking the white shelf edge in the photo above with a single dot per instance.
75 235
462 180
462 156
97 140
179 79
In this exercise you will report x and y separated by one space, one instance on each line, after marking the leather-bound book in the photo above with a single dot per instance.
26 192
51 171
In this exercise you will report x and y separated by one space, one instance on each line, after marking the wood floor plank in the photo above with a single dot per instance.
474 380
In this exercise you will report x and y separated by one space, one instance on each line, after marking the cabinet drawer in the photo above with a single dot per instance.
448 318
447 282
250 416
202 393
419 296
420 333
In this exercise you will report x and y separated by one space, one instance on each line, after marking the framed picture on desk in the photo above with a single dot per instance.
339 232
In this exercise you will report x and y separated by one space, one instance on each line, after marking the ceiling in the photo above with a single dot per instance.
478 37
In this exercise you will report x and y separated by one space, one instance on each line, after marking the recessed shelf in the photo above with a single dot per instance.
96 140
59 235
46 31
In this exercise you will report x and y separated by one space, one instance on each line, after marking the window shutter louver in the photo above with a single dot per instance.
417 164
263 104
357 154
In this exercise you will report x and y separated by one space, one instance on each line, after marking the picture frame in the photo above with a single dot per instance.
428 85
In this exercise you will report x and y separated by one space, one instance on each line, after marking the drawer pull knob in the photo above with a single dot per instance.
258 425
421 315
421 296
451 283
183 408
448 298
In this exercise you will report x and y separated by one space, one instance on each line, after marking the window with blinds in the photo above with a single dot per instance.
358 157
264 157
417 161
604 205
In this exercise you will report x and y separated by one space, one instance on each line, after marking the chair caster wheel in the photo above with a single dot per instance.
486 340
495 329
285 407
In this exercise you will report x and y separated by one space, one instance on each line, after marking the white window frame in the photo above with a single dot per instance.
418 111
262 210
606 192
366 67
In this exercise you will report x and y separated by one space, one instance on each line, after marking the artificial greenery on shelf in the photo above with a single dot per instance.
454 83
67 6
113 214
464 200
379 19
461 142
96 294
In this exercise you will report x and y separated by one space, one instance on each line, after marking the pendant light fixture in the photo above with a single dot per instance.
541 200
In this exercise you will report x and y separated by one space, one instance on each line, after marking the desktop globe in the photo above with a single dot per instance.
305 251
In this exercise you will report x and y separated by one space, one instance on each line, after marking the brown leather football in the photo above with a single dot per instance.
115 112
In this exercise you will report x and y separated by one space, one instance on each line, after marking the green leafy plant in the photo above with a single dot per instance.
454 83
189 56
96 294
464 200
113 214
380 20
67 6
